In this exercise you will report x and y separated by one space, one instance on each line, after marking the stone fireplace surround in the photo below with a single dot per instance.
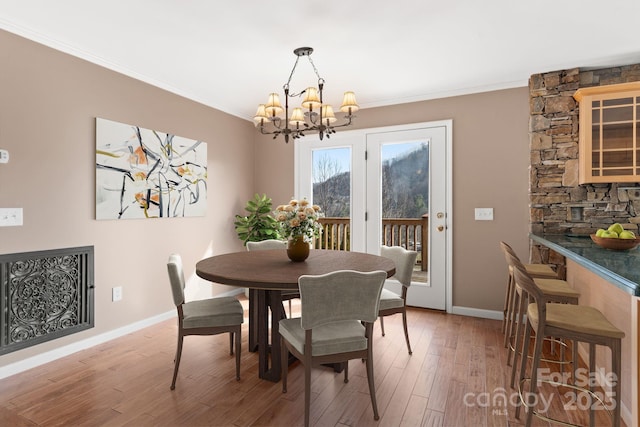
558 204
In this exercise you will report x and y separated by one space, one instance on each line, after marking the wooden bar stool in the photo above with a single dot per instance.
556 290
542 271
572 322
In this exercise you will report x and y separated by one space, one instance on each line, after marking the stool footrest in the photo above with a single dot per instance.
560 384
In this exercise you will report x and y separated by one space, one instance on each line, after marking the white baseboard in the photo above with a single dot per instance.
49 356
476 312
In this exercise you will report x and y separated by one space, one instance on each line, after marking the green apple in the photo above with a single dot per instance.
616 227
600 231
627 234
608 234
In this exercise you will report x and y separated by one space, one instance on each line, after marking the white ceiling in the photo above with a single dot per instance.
231 54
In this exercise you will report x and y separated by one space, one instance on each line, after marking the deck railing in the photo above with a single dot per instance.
409 233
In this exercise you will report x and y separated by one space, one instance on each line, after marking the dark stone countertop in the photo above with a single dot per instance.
621 268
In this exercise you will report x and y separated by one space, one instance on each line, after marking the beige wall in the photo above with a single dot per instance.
490 169
48 105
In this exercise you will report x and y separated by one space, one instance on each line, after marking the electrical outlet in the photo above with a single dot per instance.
4 156
484 214
116 293
10 217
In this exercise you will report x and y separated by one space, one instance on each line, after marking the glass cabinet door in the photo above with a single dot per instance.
609 133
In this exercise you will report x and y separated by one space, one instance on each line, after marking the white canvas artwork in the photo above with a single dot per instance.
142 173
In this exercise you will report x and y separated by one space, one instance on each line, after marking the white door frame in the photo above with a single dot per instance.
359 187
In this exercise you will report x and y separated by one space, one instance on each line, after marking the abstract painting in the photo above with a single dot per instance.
142 173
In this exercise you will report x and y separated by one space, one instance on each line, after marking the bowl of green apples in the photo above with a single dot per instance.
616 238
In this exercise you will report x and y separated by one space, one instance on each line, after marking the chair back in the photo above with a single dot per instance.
340 295
524 280
176 278
266 245
404 261
507 249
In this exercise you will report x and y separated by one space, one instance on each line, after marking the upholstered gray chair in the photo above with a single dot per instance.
390 302
338 312
203 317
274 244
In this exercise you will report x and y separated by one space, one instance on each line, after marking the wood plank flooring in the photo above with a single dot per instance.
455 377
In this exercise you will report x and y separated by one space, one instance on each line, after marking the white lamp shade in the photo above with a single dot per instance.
349 104
273 106
297 117
261 115
311 98
327 115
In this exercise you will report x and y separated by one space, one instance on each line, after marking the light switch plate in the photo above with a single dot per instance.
10 217
484 214
4 156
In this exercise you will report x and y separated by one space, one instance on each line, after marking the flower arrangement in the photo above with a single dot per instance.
299 218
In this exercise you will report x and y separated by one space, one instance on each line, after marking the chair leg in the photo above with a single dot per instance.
511 333
616 366
230 342
382 324
406 330
238 336
177 361
307 393
346 372
518 337
511 314
592 369
533 389
523 364
284 363
290 314
372 385
507 303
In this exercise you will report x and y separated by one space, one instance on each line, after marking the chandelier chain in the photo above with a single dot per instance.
293 70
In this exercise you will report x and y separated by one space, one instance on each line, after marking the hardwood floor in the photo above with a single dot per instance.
455 377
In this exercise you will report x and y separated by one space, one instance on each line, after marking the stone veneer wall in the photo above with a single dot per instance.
558 204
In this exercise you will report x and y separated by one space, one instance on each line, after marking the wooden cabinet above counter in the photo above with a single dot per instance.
609 147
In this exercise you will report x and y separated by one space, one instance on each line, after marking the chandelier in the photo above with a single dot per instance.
313 115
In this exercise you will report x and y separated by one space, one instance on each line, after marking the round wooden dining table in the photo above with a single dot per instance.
266 274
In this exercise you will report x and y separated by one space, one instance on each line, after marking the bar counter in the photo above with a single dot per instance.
620 268
609 281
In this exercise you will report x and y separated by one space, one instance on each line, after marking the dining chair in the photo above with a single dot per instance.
336 325
203 317
274 244
391 302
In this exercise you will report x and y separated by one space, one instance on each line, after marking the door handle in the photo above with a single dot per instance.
440 227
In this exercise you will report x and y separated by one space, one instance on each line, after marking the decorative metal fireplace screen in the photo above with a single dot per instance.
45 295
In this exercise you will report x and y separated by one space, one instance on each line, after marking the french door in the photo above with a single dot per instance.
385 179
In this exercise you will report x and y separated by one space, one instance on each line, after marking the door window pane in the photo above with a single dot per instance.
332 192
405 198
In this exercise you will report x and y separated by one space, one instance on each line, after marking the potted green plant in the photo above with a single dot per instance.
258 224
